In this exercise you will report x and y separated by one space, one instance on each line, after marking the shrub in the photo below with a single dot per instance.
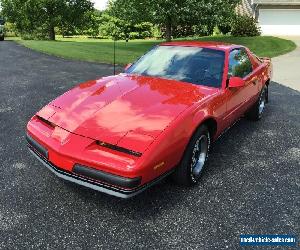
134 35
10 29
34 36
217 31
144 30
157 33
183 31
224 28
245 26
204 30
38 33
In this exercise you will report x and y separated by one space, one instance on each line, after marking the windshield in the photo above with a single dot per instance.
195 65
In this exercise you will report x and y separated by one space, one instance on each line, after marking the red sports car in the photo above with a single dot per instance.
121 134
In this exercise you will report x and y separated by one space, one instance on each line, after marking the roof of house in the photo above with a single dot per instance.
245 8
277 2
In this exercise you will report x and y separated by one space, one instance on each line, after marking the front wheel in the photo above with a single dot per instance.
256 112
194 159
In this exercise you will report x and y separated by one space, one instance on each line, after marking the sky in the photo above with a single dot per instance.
100 4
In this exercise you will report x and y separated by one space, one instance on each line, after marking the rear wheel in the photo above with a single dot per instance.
2 38
194 159
256 112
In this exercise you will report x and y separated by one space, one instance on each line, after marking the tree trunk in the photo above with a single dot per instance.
50 16
168 30
51 32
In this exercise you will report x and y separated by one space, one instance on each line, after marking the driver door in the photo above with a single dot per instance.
238 98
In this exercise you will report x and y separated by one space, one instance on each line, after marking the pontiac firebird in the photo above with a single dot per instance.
121 134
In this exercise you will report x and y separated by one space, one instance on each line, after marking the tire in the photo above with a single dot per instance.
1 38
257 110
194 159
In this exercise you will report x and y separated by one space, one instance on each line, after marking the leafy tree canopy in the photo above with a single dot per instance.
170 13
38 18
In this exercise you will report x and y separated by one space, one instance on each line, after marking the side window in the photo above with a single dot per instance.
239 63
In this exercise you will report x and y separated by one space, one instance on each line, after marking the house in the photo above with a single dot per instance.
275 17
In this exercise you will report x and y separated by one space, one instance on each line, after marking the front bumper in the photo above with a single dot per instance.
87 177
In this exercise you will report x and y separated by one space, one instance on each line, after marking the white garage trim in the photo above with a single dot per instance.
280 21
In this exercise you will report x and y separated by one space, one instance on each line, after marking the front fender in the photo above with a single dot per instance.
167 149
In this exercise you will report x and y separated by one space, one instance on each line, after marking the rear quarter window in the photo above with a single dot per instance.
239 63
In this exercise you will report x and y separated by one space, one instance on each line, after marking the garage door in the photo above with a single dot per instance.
280 22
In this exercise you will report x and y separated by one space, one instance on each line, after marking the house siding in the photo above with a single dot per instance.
264 6
275 17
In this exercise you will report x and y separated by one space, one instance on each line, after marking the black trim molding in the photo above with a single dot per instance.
36 146
107 177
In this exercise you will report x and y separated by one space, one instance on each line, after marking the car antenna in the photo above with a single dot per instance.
114 56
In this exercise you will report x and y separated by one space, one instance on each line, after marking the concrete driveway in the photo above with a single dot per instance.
250 186
287 67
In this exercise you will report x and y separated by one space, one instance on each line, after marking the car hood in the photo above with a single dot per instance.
137 108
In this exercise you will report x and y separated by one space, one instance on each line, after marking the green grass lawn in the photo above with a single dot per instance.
97 50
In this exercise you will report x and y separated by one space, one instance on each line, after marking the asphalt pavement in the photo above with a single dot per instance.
250 186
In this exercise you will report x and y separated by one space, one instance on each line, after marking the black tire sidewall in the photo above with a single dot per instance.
253 114
187 158
264 91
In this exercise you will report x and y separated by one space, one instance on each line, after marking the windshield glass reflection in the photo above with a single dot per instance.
195 65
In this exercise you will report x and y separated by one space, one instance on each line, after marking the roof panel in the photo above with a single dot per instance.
203 44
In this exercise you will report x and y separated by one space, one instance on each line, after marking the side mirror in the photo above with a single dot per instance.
128 66
236 82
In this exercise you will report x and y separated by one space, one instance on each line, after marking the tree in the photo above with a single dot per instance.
39 18
117 29
171 13
114 28
142 30
93 24
77 16
161 12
